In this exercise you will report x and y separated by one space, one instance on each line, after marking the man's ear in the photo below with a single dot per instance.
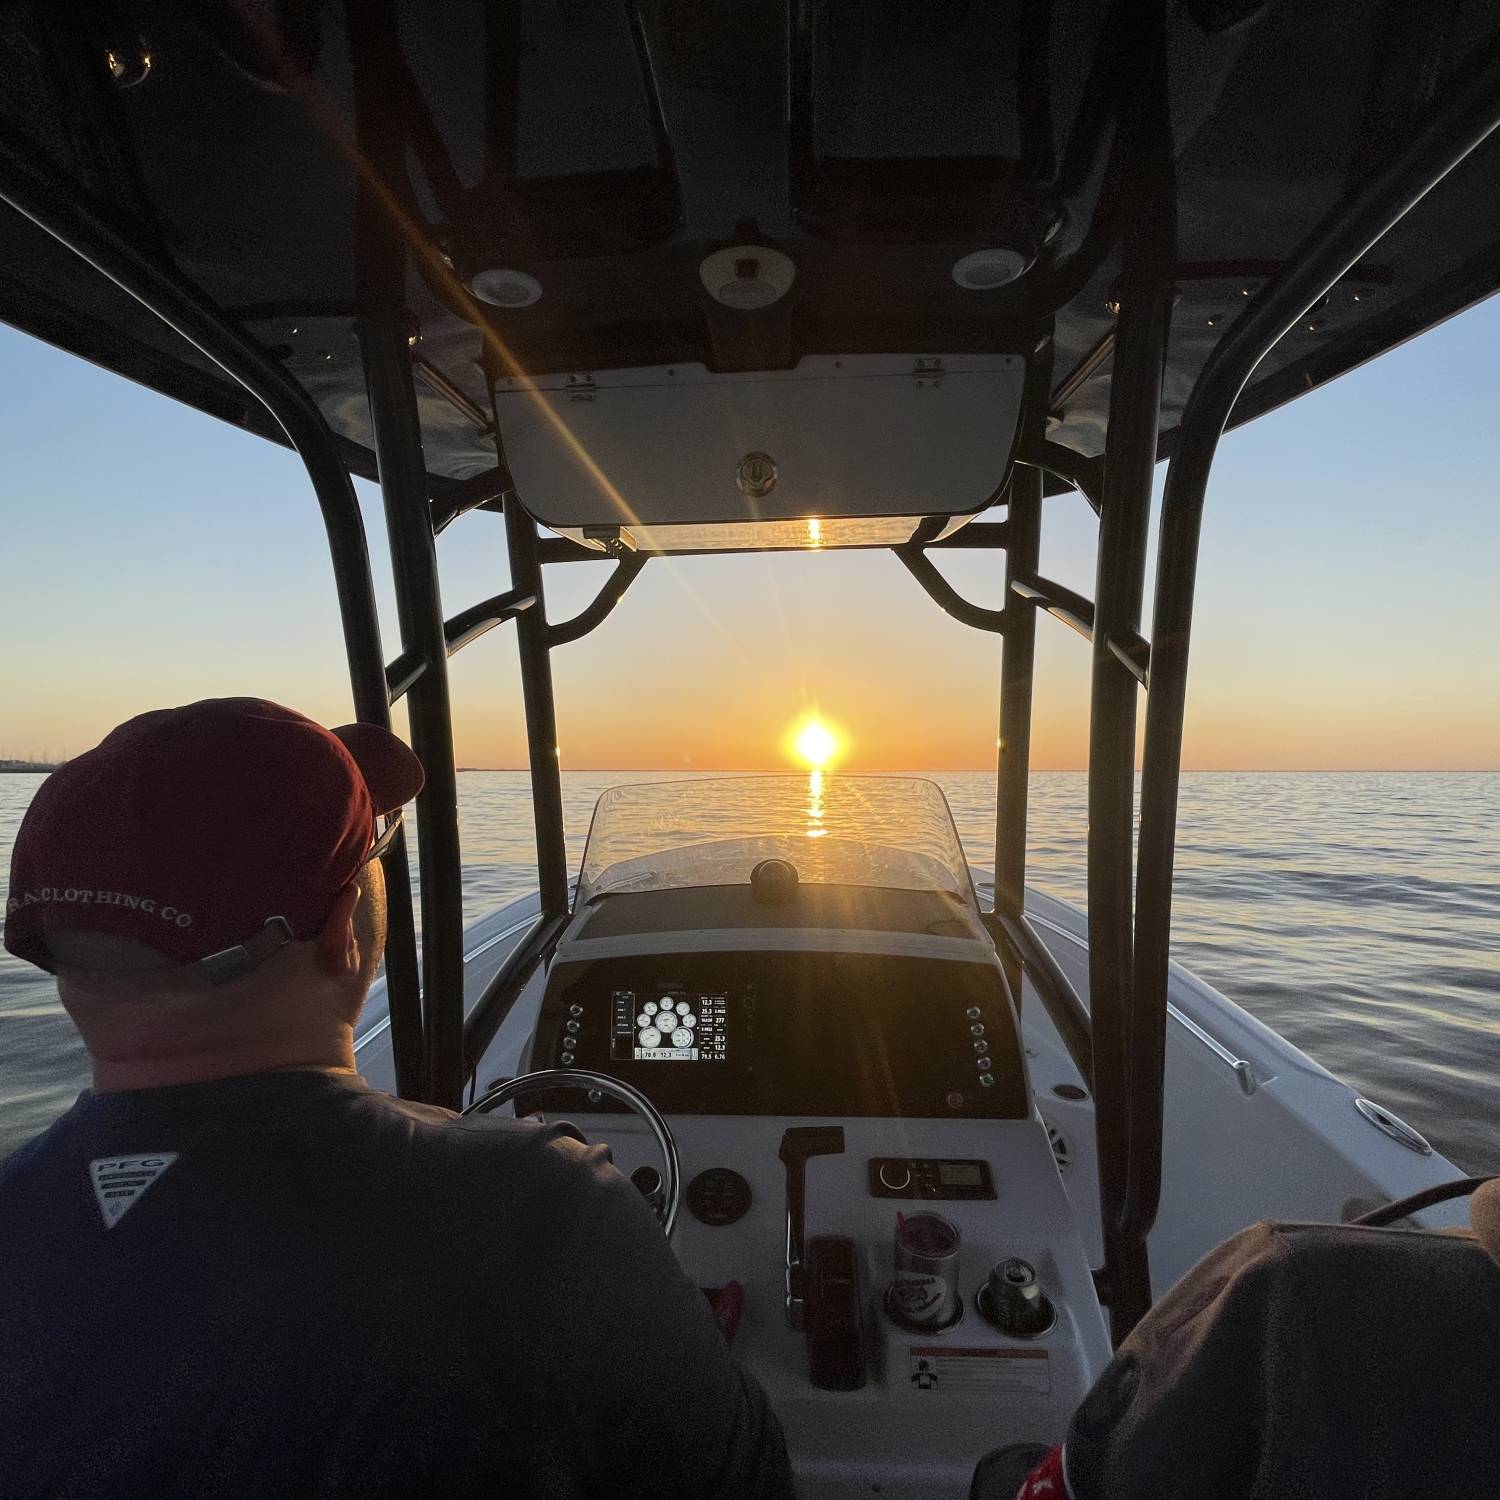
337 945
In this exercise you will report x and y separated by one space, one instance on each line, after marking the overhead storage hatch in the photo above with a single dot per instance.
863 445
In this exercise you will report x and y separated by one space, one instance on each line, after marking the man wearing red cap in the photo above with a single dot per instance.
233 1268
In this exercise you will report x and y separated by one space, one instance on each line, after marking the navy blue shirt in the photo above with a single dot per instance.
289 1284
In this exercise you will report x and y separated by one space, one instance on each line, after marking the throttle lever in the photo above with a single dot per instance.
797 1145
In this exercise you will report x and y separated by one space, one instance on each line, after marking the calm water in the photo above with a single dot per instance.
1359 915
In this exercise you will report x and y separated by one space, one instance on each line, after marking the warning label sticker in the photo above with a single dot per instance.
973 1371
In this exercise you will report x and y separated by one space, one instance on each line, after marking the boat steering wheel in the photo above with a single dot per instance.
665 1202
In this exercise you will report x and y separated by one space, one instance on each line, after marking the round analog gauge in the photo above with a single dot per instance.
643 1019
651 1037
649 1007
682 1007
718 1196
690 1020
682 1037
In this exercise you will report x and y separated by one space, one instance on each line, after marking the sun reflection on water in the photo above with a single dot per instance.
815 829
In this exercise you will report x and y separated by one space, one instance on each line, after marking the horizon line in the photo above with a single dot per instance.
1044 770
19 766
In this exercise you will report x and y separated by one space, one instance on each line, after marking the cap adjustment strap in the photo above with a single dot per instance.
229 964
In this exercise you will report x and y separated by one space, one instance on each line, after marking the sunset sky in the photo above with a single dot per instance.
1346 603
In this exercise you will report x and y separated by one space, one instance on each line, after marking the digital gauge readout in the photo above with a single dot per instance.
669 1027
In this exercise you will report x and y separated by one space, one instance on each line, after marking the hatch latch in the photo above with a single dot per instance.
928 373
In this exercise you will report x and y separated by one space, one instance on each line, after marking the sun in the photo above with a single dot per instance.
815 744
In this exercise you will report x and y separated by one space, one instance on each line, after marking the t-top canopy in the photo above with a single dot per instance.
743 195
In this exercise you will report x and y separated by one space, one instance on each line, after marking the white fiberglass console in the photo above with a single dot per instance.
929 1403
797 974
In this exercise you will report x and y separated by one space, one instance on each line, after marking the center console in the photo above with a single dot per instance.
870 1201
874 1383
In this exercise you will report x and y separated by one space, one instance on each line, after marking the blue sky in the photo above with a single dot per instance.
1346 606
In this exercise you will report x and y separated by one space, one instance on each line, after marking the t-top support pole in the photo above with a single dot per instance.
541 709
1145 297
403 485
1017 663
380 246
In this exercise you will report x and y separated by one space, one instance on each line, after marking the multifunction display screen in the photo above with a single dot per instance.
669 1026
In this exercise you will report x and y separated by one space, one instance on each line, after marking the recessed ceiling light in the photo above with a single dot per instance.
502 287
985 269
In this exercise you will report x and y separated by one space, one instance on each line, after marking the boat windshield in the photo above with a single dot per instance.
894 832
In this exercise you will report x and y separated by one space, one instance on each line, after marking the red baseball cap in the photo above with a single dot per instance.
189 829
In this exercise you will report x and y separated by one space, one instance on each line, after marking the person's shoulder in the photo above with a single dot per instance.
39 1154
24 1158
538 1206
462 1152
470 1139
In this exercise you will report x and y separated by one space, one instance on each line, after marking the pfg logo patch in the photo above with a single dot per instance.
120 1181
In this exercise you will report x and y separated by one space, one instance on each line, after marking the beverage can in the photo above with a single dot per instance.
925 1292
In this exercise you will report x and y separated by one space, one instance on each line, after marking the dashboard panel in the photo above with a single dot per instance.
790 1033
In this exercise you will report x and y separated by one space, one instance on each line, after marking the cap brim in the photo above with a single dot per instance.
392 772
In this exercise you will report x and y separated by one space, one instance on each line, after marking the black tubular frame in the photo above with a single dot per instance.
625 572
1021 945
403 486
1017 664
944 595
385 335
504 989
532 640
467 625
1145 302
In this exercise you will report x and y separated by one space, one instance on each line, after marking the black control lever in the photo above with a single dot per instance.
834 1314
797 1145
